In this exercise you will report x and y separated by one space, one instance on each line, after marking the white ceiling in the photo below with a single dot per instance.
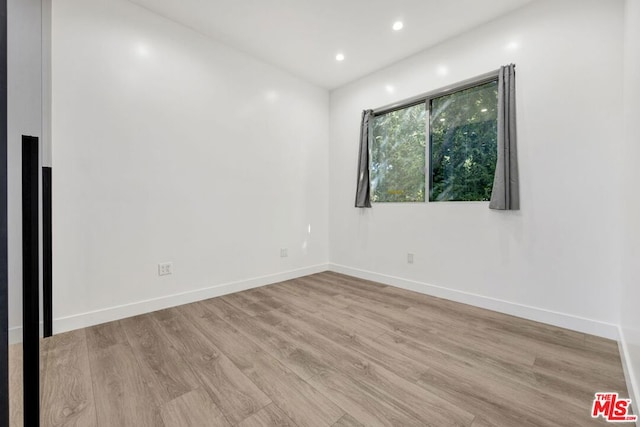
304 36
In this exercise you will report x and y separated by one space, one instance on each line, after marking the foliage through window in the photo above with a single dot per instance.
461 131
464 143
398 155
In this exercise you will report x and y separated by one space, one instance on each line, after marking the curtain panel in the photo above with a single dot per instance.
506 194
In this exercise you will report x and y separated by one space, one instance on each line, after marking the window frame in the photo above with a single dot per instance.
426 98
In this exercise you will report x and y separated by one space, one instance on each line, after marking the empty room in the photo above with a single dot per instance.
319 213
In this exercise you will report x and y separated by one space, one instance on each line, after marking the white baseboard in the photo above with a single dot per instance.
82 320
91 318
580 324
629 374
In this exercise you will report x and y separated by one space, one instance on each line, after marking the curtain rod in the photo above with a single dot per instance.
423 97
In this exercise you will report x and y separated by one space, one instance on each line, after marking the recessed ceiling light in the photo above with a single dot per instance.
442 70
271 95
142 49
340 57
397 26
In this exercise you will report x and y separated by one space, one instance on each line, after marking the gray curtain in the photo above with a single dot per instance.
505 194
363 191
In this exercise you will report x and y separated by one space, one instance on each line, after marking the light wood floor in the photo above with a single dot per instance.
325 350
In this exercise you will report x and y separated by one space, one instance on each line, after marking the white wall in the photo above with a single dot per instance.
169 146
630 318
24 111
556 259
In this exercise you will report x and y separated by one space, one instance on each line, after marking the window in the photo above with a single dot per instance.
398 155
463 143
456 132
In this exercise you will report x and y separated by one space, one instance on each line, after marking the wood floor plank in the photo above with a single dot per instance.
477 318
481 422
382 355
156 356
366 403
194 408
403 393
347 421
443 361
591 376
301 402
67 394
451 367
269 416
252 302
335 311
504 402
44 356
420 323
105 335
472 391
523 337
530 377
305 299
531 337
497 398
318 283
16 409
262 331
455 340
235 395
603 346
363 402
349 288
450 310
123 394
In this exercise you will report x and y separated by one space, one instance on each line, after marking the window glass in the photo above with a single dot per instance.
398 155
463 144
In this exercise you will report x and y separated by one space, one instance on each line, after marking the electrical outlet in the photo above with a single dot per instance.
284 252
165 268
410 258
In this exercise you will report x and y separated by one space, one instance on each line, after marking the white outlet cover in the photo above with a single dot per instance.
165 268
